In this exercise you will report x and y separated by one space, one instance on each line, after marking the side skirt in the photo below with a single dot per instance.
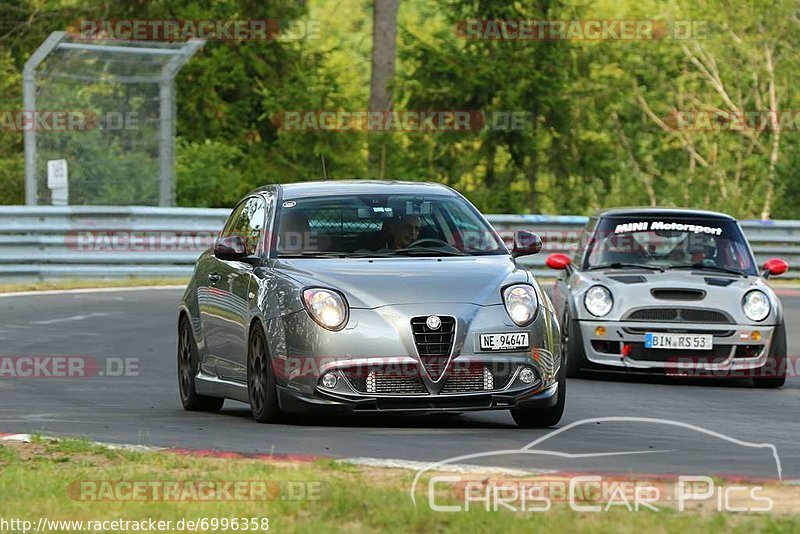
213 386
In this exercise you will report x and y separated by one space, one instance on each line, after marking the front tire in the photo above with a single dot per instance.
188 364
572 347
543 417
775 369
261 386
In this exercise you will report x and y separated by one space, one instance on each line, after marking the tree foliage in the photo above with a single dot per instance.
601 115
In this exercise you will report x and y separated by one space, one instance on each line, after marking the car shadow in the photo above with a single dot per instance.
610 376
385 419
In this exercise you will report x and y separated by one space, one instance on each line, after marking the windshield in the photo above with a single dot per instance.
669 243
383 225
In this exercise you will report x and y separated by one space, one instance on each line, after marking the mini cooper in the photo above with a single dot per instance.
362 296
668 291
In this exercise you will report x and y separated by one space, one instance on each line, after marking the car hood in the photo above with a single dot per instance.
633 288
375 282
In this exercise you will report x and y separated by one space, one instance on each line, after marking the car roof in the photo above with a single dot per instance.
357 187
662 212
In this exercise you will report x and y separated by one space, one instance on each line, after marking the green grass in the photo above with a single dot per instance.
35 481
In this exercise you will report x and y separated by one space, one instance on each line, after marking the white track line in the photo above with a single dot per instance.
87 290
26 438
454 468
23 438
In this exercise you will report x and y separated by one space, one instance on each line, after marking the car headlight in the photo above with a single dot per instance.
598 301
756 305
521 303
326 306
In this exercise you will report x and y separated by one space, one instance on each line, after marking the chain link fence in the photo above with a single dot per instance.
108 109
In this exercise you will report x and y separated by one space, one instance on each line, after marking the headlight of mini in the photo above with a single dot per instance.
326 306
598 301
756 305
521 303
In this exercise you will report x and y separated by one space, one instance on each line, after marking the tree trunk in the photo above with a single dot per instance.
384 54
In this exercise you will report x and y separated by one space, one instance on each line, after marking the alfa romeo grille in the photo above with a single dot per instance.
477 378
434 346
471 379
389 383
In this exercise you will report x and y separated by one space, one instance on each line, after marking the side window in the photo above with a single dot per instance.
233 220
247 221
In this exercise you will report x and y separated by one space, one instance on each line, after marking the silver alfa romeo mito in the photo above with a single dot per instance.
363 296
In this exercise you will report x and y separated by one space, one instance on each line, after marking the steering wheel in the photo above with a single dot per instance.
436 242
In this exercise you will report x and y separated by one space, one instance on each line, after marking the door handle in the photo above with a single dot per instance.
214 278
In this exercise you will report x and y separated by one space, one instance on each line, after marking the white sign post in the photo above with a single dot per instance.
58 182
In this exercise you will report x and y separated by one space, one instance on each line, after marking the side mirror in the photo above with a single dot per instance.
230 248
525 243
774 267
558 261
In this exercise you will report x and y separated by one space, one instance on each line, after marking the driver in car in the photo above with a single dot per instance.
400 231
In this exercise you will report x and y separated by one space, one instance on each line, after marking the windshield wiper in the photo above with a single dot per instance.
428 251
618 265
701 267
312 254
369 254
333 254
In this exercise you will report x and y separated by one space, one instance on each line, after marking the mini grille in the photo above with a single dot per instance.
434 346
679 315
717 355
642 330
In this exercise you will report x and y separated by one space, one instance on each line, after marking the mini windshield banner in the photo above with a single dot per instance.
649 226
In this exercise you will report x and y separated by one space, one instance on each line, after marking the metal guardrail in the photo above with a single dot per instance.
47 242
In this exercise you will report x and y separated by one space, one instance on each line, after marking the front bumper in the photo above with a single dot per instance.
377 365
736 348
321 401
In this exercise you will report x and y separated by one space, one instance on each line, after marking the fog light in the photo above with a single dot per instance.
329 380
756 335
600 331
526 376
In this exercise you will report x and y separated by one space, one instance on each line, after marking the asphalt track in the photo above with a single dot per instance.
684 431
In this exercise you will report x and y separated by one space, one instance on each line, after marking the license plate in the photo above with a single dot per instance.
678 341
509 341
